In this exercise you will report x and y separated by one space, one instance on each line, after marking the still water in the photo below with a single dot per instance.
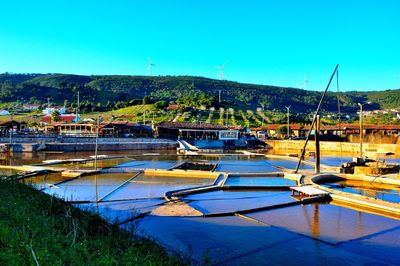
319 233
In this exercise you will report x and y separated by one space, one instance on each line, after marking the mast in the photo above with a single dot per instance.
303 150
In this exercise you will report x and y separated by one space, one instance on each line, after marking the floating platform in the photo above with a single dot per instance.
309 191
77 173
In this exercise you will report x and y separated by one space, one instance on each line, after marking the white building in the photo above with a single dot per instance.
50 110
31 107
4 112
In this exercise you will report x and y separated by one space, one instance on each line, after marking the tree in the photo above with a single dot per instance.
56 116
282 130
160 105
146 99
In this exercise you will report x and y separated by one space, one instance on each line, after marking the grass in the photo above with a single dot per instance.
37 229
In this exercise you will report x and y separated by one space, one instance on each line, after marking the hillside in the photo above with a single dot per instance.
102 93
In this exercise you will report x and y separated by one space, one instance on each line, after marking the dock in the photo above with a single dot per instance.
309 191
77 173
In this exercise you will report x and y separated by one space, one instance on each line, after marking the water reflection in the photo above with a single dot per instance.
298 229
375 190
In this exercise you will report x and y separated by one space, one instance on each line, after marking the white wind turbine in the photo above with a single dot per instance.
220 77
150 66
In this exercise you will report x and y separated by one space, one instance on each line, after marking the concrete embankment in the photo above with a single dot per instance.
331 146
66 144
21 147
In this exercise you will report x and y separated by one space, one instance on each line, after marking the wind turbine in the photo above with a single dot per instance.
220 76
221 71
150 66
305 82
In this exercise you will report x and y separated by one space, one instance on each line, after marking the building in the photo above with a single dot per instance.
194 131
13 125
51 109
4 112
173 107
273 130
68 118
125 129
122 129
67 129
328 132
31 107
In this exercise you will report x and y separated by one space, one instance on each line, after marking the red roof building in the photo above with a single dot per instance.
173 107
63 118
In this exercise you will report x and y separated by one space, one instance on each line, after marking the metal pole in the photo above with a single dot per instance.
11 129
317 149
263 114
97 143
313 122
77 110
361 130
288 120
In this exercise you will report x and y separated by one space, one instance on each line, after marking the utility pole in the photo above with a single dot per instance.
97 144
77 110
219 97
288 120
361 129
11 129
262 110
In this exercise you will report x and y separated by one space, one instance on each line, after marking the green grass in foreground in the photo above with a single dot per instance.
37 229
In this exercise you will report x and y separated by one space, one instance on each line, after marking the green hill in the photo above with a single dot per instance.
102 93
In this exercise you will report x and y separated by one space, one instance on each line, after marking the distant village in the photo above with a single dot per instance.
70 124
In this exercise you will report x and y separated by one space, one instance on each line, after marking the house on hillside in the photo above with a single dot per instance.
4 112
173 107
51 109
30 107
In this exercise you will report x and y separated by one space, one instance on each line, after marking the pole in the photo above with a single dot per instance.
288 120
97 144
317 149
313 122
144 117
262 110
361 130
11 129
77 110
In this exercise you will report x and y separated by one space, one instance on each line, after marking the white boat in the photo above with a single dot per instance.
53 161
99 156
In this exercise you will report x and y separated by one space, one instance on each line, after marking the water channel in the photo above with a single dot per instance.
316 233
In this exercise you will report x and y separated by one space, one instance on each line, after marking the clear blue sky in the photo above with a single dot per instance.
267 42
